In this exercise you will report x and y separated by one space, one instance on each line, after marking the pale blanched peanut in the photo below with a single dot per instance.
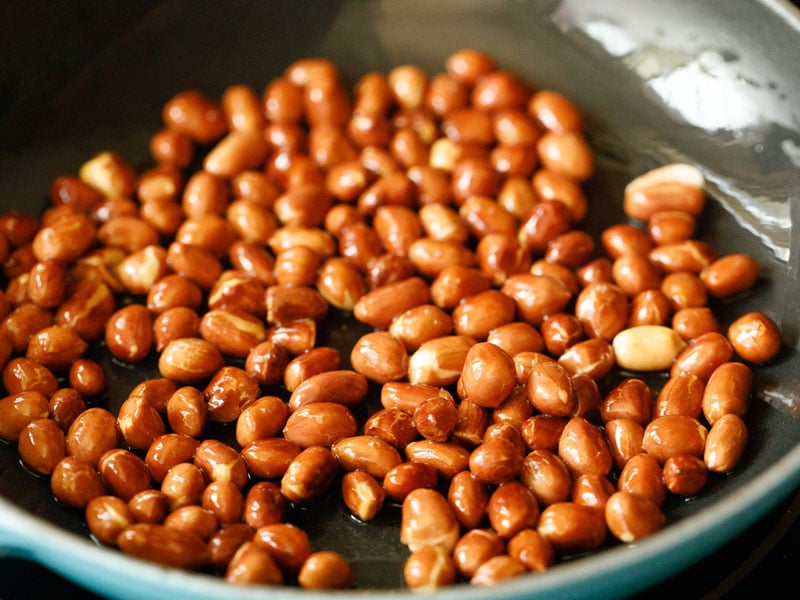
647 347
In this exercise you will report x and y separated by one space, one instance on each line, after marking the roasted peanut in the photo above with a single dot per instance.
572 528
269 458
325 570
428 520
670 187
309 475
725 443
755 337
264 504
319 424
631 517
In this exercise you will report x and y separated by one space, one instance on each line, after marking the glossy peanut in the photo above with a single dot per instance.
229 391
220 462
583 448
264 504
269 458
725 443
676 186
107 516
75 482
250 565
189 360
324 570
572 528
673 435
642 475
362 494
428 519
755 337
168 450
685 475
164 545
439 361
309 475
448 458
631 517
139 423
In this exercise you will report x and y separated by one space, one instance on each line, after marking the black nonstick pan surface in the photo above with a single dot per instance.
715 84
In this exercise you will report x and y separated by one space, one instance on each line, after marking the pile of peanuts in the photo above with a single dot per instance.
509 348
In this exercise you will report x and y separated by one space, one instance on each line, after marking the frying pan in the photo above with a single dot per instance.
715 84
